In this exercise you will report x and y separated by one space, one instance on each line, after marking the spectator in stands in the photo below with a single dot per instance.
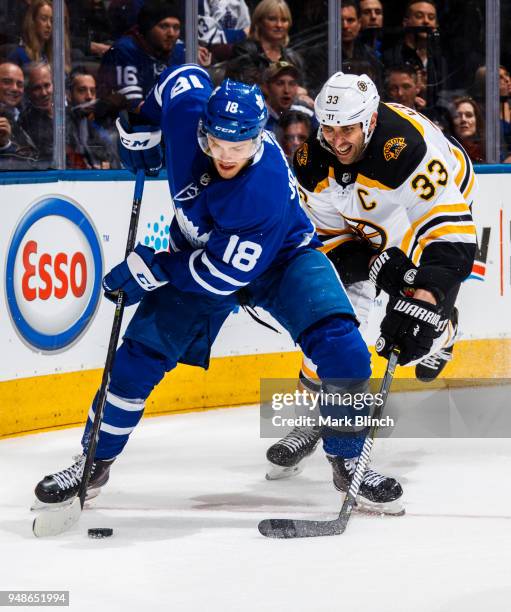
17 151
371 24
37 118
267 42
91 31
371 14
280 88
88 145
12 86
505 113
468 127
293 129
16 146
478 91
420 48
36 37
130 68
352 46
401 86
223 21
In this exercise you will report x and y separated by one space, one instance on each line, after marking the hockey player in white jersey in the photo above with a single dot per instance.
390 196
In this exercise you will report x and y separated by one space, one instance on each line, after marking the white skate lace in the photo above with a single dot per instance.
371 478
433 361
299 438
71 476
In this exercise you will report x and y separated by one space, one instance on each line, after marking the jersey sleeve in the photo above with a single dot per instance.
248 234
181 93
441 238
176 239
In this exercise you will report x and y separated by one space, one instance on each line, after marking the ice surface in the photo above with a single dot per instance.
185 499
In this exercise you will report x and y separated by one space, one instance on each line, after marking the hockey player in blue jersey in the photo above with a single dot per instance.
238 226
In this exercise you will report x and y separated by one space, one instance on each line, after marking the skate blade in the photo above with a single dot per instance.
394 508
364 506
39 505
278 472
61 519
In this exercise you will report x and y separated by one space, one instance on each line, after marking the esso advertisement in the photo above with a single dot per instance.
53 274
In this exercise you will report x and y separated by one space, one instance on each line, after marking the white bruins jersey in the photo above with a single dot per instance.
412 189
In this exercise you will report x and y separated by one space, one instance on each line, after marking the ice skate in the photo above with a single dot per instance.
287 455
60 488
378 494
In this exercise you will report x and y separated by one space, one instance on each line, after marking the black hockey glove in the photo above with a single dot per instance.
351 260
393 272
411 325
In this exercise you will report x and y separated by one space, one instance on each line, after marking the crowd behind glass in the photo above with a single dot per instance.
429 57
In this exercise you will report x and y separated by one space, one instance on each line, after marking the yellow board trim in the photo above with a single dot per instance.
62 400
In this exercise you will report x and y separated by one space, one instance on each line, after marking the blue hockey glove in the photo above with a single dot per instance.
136 275
139 146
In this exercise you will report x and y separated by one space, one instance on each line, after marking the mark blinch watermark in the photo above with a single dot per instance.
302 400
447 408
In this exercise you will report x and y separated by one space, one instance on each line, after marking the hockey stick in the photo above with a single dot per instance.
289 528
53 522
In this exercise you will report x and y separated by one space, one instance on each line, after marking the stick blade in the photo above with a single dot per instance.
53 522
287 528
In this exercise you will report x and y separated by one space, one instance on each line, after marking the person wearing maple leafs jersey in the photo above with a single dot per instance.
390 196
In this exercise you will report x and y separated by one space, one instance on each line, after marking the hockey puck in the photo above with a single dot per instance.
100 532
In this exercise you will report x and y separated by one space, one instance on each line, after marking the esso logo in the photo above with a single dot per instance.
53 276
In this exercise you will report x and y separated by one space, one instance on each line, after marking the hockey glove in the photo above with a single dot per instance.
351 260
411 325
393 272
139 145
136 275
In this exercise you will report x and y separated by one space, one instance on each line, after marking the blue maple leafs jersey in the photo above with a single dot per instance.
225 233
128 69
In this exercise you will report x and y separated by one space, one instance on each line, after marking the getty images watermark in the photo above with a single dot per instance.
347 404
446 408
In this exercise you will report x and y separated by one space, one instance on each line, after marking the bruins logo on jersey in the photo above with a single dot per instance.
393 147
372 233
302 155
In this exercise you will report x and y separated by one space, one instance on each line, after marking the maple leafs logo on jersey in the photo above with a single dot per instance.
393 147
302 154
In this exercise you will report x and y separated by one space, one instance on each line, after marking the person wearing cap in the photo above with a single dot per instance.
133 64
280 87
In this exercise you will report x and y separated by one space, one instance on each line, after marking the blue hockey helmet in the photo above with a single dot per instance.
235 112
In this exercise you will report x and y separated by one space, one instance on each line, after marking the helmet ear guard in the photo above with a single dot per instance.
347 99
